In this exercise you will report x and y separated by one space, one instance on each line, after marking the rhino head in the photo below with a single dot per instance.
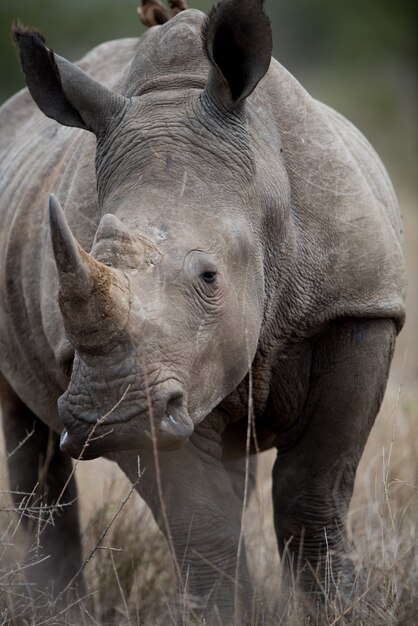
164 313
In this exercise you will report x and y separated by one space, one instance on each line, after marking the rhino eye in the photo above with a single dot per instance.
209 277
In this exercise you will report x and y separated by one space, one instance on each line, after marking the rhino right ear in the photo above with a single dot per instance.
62 90
238 43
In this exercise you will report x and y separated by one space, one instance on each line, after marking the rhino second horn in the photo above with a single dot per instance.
71 260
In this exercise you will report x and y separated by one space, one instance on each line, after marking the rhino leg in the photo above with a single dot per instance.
38 471
242 477
203 514
313 480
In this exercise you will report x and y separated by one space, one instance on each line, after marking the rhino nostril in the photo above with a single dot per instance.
175 404
176 422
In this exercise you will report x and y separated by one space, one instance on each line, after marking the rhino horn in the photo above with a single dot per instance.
93 298
73 263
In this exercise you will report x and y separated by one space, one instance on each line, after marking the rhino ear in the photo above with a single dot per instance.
238 42
62 90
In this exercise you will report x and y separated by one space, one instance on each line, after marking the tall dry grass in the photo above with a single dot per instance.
131 579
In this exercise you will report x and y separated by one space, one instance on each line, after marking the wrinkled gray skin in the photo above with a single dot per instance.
202 175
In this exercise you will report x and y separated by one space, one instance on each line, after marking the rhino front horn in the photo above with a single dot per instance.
71 260
93 298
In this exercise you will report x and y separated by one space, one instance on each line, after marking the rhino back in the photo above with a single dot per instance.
38 156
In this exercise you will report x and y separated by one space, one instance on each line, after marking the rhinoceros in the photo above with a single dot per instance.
214 269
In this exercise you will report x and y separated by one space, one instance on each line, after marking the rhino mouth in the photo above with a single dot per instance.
83 440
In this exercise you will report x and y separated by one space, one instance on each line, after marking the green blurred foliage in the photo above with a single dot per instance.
358 56
346 32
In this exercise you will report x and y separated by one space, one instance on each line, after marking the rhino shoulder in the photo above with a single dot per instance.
370 164
344 210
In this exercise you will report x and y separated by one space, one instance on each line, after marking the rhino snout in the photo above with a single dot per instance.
167 422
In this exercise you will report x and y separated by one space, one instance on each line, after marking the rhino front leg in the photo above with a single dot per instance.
36 466
313 481
243 477
203 513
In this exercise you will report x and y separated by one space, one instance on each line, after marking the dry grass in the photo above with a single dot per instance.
131 578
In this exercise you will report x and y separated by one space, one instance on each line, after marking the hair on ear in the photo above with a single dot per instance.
18 29
32 37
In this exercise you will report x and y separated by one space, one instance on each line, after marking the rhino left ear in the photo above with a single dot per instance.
238 42
62 90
